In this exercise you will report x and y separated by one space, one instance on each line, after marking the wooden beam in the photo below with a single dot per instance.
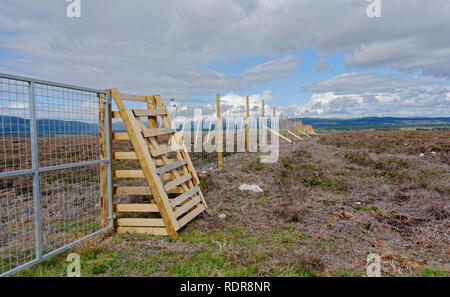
149 112
183 197
186 207
153 132
141 208
131 97
278 134
121 136
175 183
295 135
187 218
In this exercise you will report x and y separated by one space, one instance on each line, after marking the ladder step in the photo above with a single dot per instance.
175 183
142 230
165 150
132 97
142 191
124 156
128 173
116 114
132 222
187 218
170 167
120 136
183 197
138 174
185 207
148 207
152 132
149 112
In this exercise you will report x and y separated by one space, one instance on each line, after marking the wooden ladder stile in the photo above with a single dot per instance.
167 169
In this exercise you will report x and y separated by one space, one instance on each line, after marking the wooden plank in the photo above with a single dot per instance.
185 207
128 174
187 218
175 183
132 222
138 174
170 167
142 191
183 197
116 114
163 150
278 134
142 230
148 166
132 191
121 136
149 112
143 207
295 135
124 156
131 97
152 132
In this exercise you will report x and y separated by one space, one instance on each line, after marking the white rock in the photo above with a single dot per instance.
222 216
253 188
422 154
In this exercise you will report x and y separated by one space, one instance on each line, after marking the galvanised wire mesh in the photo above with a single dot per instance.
50 157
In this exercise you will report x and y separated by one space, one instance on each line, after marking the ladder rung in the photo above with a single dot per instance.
136 207
142 230
183 197
152 132
187 218
116 114
133 222
132 191
128 173
182 209
131 97
142 191
165 150
138 174
170 167
149 112
175 183
120 136
124 156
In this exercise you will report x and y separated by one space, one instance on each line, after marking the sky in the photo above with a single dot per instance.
308 58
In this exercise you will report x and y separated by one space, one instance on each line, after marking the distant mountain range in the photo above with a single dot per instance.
377 122
20 127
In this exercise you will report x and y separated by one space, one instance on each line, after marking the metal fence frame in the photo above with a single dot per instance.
37 169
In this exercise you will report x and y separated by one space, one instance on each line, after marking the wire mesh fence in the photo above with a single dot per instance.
50 158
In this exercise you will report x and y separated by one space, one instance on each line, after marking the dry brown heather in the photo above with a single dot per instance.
327 203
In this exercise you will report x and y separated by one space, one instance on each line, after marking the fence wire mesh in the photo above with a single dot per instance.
50 156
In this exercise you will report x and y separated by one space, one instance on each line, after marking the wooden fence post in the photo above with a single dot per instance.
247 128
103 167
219 135
263 111
281 123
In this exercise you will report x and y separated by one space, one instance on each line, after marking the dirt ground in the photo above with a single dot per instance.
327 203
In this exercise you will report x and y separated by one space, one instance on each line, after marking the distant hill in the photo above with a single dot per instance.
20 127
377 122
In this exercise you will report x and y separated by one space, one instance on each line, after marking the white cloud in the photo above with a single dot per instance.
353 95
163 46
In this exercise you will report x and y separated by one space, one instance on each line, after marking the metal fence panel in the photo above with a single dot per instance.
50 196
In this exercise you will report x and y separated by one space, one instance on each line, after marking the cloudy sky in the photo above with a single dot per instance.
310 58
